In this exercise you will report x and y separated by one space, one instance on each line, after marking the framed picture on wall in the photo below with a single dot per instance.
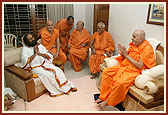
156 14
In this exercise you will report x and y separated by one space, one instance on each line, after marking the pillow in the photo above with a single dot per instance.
111 62
141 80
154 43
155 71
17 64
159 57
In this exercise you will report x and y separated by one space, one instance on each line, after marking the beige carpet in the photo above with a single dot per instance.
82 100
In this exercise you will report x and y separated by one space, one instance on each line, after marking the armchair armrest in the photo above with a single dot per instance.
19 71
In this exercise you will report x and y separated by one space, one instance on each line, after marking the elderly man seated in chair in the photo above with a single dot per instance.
116 80
36 59
102 45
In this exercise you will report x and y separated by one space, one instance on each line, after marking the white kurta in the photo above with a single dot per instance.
55 83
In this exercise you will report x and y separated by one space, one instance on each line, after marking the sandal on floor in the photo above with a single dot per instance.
74 89
93 76
96 97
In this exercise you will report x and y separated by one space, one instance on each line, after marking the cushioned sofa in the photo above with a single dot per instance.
19 80
137 99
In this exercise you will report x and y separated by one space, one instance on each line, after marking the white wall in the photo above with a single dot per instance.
126 18
79 13
84 12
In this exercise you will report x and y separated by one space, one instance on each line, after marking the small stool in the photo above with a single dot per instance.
59 64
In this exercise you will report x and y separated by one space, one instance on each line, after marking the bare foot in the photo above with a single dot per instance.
98 101
103 104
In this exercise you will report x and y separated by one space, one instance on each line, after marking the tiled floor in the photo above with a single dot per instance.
70 73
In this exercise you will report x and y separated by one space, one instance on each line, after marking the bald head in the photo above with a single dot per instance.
101 24
100 27
138 37
80 25
49 25
140 33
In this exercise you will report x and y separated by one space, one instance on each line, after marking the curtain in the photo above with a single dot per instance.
56 12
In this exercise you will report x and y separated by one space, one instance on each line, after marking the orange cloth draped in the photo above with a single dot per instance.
62 26
48 41
103 43
77 52
117 79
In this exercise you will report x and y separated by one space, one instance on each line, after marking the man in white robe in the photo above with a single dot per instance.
38 60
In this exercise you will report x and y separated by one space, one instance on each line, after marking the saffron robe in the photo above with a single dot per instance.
63 26
116 80
77 52
51 76
103 43
48 41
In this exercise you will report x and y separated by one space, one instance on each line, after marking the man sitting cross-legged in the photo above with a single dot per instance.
37 60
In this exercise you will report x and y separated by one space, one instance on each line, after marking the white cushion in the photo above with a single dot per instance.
141 80
150 88
12 56
155 71
111 62
17 64
154 43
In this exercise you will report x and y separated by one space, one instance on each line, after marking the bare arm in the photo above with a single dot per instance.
139 64
91 46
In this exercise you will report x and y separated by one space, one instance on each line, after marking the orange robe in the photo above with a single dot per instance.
62 26
116 80
48 41
103 42
77 52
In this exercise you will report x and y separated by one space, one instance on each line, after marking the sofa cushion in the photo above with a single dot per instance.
111 62
12 56
141 80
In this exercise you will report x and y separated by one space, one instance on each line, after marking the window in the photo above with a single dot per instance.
24 18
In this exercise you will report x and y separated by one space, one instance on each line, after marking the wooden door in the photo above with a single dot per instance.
101 14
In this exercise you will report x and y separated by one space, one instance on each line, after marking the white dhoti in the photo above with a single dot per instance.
55 84
51 76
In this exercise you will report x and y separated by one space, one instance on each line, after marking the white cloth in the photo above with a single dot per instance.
9 91
47 77
154 44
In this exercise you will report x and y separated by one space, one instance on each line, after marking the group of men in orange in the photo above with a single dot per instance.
115 80
59 43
